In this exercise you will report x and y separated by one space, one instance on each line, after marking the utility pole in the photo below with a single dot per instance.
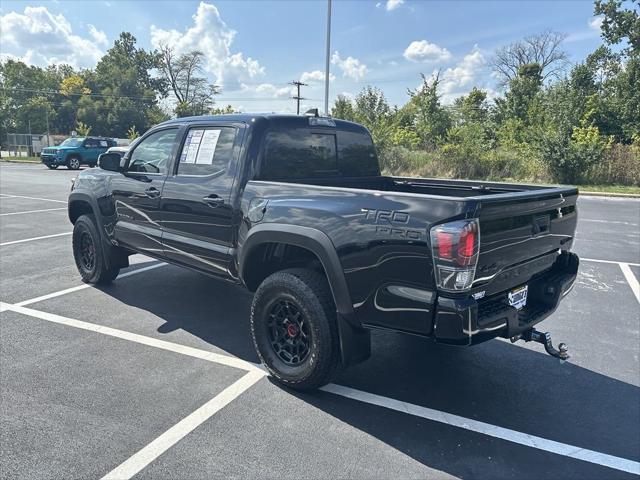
30 142
326 72
297 98
46 112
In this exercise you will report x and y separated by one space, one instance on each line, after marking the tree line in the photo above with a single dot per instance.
129 90
552 122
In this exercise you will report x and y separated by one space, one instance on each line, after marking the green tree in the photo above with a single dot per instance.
372 109
431 121
343 109
472 107
193 93
223 110
132 133
620 24
83 129
522 92
125 91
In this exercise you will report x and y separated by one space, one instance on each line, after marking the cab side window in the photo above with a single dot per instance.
153 154
91 143
207 151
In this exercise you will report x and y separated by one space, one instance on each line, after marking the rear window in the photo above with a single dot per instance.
308 153
299 153
357 155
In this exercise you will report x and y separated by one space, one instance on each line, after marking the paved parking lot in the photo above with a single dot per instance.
155 376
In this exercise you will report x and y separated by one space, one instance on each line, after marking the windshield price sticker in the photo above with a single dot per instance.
200 147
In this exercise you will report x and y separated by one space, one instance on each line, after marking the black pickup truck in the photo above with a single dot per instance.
295 208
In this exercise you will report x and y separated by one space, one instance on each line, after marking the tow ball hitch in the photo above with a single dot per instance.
534 335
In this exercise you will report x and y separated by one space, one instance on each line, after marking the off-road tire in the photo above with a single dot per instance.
73 163
309 292
101 271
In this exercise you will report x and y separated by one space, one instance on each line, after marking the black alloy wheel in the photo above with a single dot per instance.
87 252
289 332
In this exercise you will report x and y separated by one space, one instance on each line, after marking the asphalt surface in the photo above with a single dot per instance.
77 400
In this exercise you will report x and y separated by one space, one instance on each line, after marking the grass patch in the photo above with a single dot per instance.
22 159
610 188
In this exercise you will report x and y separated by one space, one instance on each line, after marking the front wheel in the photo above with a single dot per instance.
73 163
52 166
89 253
293 325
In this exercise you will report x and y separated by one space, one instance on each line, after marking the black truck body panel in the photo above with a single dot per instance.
370 233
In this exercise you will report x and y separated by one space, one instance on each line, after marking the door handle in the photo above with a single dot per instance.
213 200
152 192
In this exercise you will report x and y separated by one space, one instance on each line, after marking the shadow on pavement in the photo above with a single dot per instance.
496 382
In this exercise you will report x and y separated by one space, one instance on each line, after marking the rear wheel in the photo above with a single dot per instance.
52 166
293 324
89 253
73 163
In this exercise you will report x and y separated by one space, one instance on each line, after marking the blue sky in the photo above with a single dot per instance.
253 48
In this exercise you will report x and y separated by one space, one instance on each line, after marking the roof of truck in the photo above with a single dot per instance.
248 117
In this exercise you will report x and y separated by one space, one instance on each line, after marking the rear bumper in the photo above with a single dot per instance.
467 321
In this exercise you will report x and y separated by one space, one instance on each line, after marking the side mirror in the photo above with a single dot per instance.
109 161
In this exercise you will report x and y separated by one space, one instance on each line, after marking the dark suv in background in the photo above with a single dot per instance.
76 151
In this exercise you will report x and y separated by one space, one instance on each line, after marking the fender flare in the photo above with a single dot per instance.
117 256
355 341
305 237
76 196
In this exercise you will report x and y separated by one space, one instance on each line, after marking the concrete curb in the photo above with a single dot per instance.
4 160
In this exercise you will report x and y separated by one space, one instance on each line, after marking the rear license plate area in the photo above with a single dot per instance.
518 297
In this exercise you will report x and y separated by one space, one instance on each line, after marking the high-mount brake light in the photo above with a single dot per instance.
455 247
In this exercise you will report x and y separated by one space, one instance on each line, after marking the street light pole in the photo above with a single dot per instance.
326 70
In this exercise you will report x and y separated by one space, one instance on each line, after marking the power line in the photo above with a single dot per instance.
297 98
216 98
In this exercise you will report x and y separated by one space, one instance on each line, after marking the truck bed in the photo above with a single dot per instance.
428 186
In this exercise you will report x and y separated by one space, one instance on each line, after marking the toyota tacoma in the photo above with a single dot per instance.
296 209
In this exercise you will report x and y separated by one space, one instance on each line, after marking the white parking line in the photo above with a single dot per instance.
607 221
464 423
6 195
34 238
133 337
33 211
631 279
613 262
84 286
176 433
513 436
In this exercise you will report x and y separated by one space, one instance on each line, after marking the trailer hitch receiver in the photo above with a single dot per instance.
533 335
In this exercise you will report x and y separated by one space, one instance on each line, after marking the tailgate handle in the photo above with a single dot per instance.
541 224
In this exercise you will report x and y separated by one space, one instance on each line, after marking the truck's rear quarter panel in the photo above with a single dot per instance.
381 239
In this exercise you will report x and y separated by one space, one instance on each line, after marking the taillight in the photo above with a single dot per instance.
455 252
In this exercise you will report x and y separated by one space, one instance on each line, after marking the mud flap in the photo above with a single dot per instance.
355 343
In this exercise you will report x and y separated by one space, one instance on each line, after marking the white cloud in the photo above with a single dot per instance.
98 35
393 4
315 76
596 23
39 37
466 74
351 67
423 51
211 35
269 90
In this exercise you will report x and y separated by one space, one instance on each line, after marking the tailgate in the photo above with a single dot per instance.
518 227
